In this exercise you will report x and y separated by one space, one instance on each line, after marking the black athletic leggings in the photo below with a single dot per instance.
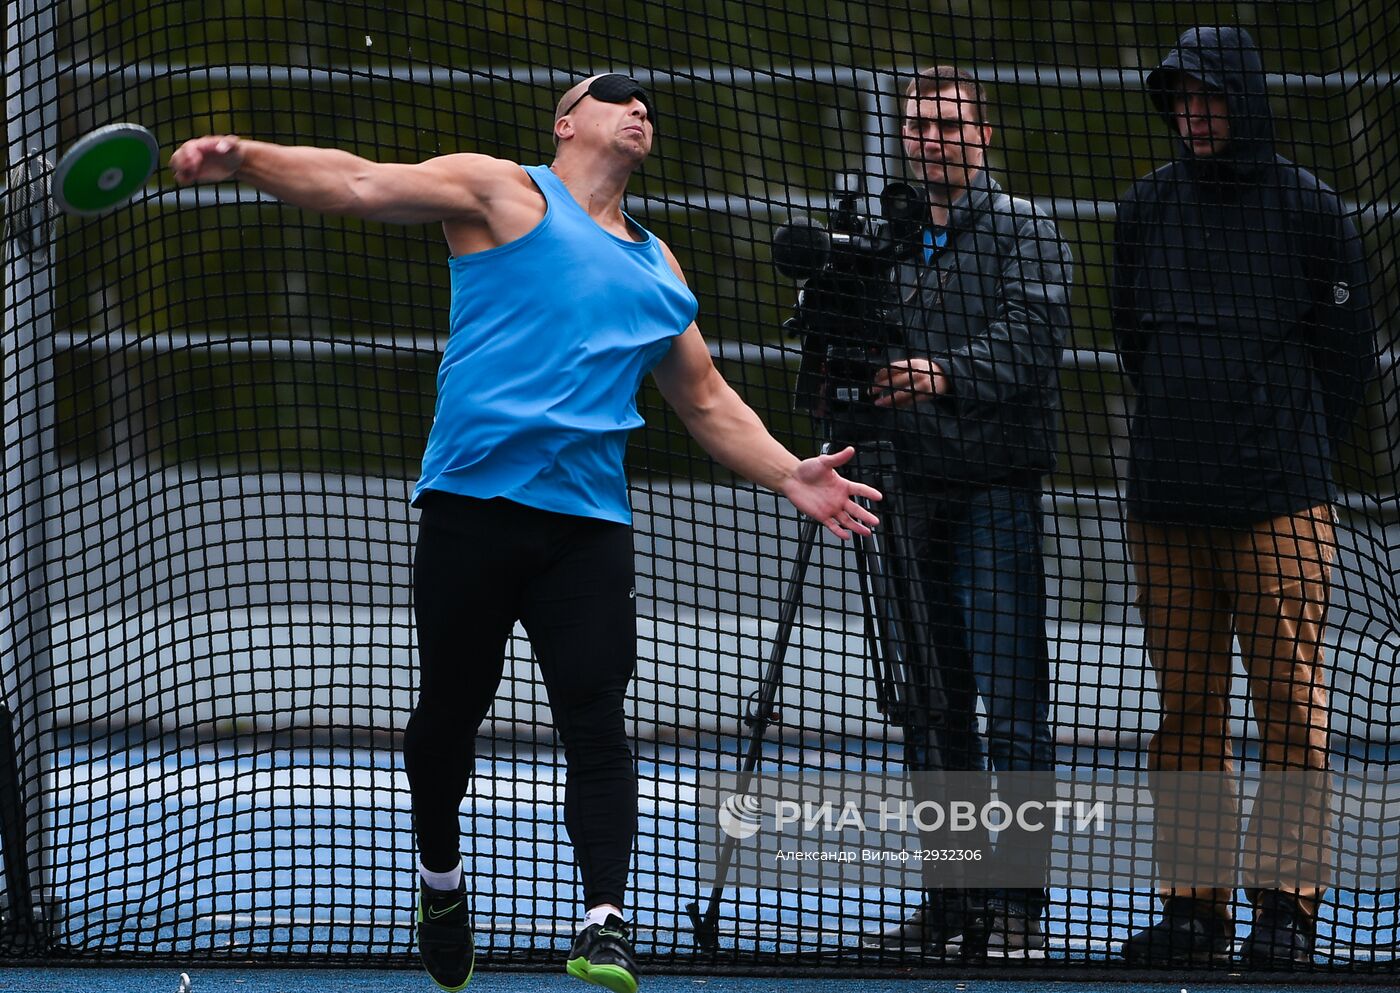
481 566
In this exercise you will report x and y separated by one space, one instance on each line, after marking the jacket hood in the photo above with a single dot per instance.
1225 60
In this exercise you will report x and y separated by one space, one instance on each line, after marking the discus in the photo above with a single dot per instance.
104 168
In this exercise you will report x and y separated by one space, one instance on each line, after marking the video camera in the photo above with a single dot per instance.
847 312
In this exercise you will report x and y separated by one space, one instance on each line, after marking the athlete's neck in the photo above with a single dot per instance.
599 191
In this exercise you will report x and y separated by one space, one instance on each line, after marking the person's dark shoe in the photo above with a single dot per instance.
445 935
1283 936
1189 933
602 955
1014 933
972 946
935 928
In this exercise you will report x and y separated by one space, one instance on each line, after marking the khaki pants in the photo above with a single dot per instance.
1199 587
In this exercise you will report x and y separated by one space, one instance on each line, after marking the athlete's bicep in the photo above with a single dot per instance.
687 375
448 187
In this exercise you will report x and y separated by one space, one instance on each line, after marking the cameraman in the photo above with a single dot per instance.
975 402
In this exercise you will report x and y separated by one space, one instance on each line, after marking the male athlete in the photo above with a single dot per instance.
561 303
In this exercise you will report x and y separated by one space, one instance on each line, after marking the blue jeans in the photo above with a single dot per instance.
979 561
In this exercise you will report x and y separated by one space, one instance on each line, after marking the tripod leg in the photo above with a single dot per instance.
764 714
914 611
874 637
904 665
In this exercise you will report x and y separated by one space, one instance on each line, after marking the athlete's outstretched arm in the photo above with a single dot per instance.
327 180
731 431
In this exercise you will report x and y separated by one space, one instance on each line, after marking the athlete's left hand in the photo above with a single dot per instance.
819 491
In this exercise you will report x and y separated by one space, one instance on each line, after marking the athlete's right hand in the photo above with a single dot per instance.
210 159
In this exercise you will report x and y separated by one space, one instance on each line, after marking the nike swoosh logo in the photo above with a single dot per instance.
435 912
612 934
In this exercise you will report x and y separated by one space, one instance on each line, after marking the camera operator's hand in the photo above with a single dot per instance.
819 491
906 382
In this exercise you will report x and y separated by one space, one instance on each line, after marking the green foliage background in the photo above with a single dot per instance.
151 270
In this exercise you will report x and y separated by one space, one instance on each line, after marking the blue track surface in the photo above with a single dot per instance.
210 849
226 980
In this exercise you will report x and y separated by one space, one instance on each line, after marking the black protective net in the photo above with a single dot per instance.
1166 370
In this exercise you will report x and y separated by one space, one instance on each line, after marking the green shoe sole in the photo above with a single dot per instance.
610 977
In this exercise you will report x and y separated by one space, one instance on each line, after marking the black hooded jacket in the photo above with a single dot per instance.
1241 312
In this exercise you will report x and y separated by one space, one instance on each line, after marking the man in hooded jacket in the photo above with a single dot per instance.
1242 321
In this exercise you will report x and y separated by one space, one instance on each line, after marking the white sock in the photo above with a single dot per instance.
441 880
599 914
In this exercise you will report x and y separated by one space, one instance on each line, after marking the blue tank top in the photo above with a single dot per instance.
551 336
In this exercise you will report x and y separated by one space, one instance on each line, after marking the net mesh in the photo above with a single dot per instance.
216 406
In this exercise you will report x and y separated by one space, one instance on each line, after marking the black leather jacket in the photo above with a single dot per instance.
992 310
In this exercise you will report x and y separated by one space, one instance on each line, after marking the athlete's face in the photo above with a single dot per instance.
623 128
1202 116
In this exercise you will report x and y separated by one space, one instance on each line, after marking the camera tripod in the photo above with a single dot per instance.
903 666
